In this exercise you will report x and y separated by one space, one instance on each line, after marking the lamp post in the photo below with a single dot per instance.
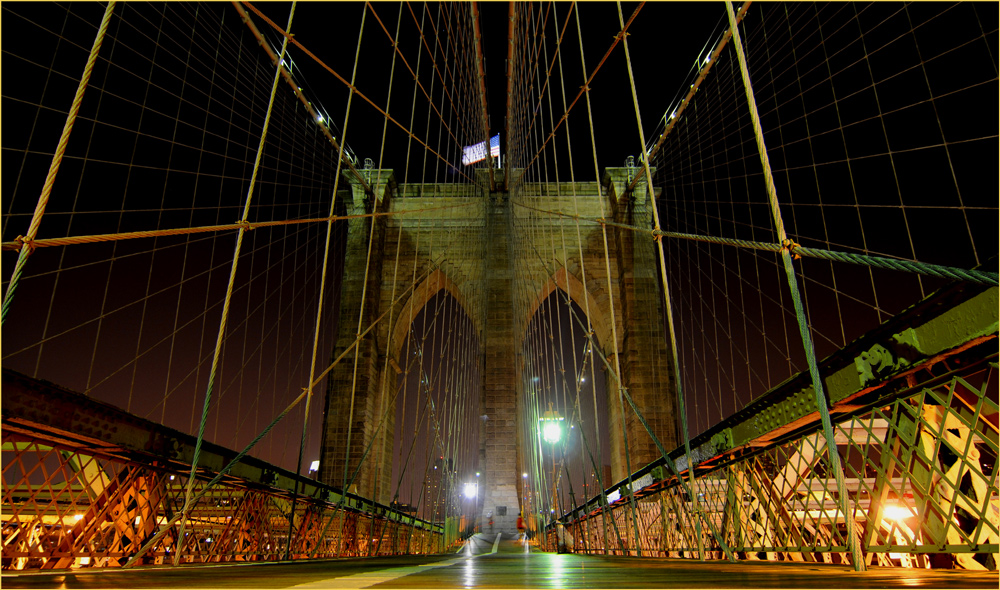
551 431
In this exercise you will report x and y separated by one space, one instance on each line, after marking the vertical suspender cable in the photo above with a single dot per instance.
481 89
583 268
319 315
670 319
229 294
403 355
43 199
364 289
611 302
382 385
807 342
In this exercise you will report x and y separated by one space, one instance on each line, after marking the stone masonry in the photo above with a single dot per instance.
439 242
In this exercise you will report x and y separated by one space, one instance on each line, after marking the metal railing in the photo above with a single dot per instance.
916 428
87 485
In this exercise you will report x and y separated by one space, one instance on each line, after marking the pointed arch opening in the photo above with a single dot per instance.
565 449
437 404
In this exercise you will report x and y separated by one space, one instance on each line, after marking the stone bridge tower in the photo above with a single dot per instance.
440 238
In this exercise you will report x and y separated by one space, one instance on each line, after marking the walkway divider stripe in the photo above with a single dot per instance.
366 579
496 543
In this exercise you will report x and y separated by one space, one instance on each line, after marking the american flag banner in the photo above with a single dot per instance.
495 146
475 153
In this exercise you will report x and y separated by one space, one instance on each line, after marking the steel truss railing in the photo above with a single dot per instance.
916 427
86 485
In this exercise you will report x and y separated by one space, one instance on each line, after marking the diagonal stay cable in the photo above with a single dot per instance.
43 198
222 472
675 116
586 85
355 90
220 336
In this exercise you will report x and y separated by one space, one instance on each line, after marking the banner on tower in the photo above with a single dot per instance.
476 153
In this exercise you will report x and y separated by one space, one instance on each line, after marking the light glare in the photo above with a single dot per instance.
896 512
551 432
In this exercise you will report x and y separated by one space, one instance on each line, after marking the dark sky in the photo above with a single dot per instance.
664 42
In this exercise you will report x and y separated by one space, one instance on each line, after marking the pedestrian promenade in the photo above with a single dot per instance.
487 562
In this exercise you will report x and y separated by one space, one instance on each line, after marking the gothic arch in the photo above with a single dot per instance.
568 283
435 282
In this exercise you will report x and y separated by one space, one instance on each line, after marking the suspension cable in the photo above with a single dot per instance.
913 266
804 330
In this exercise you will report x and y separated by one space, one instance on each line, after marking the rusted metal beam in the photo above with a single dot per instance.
46 411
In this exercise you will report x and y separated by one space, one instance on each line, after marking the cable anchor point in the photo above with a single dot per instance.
791 246
23 242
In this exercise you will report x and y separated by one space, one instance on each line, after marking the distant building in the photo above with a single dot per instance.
437 490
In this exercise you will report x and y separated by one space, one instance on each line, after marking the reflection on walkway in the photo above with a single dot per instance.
477 566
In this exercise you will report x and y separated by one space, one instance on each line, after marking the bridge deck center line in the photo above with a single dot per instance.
367 579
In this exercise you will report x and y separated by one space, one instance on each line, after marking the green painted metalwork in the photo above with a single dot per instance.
915 428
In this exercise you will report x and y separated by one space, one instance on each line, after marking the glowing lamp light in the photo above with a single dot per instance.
551 432
470 490
314 466
77 517
895 512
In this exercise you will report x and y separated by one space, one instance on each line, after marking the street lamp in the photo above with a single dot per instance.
551 426
470 490
551 431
